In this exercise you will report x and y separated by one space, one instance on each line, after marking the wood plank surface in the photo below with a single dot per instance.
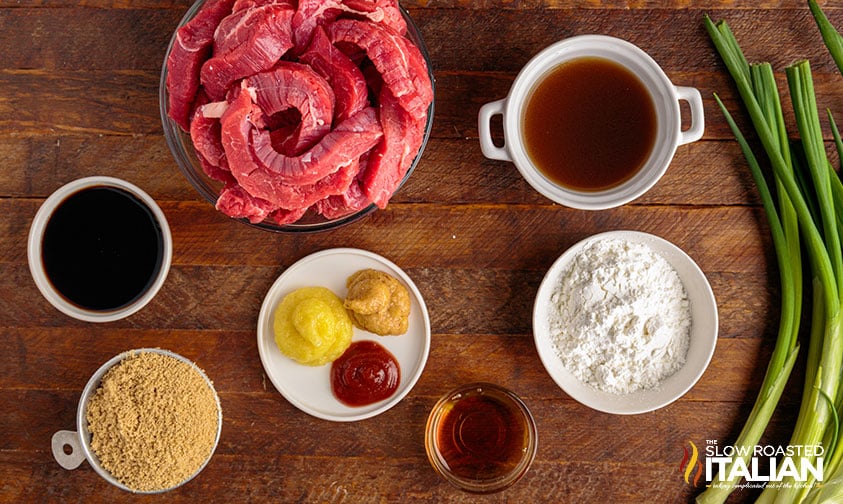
79 96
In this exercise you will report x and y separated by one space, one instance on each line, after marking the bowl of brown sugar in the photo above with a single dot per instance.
148 421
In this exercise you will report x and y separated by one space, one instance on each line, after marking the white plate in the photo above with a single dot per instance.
704 329
309 388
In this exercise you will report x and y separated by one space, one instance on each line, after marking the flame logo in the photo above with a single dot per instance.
691 461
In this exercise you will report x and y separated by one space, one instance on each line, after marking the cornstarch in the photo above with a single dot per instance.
620 318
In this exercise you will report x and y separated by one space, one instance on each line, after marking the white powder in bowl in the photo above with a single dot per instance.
620 318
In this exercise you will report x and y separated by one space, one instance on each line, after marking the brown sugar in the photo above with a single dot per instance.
153 421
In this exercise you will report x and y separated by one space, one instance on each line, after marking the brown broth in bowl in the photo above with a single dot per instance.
589 124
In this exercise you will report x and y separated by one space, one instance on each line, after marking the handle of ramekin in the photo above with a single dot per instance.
490 150
694 99
74 458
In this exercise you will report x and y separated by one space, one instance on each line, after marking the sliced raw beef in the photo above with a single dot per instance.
352 200
345 78
313 13
345 143
387 10
300 106
303 196
295 86
409 82
248 4
283 216
236 28
190 49
261 170
390 160
259 47
207 142
236 202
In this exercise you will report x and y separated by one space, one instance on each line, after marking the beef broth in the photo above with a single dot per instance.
590 124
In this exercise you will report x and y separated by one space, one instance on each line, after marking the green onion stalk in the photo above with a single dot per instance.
806 216
831 37
784 229
817 420
831 489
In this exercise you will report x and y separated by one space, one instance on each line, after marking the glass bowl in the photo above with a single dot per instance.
181 146
481 438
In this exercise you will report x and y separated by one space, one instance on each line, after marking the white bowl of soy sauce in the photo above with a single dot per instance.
99 249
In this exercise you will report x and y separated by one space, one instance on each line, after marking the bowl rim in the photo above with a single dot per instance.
703 332
180 145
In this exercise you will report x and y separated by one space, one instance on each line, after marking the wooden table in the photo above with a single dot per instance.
79 88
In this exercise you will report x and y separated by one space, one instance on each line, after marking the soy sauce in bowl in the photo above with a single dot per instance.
99 249
102 248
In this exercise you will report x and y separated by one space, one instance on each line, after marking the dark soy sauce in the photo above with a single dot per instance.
589 124
482 437
102 248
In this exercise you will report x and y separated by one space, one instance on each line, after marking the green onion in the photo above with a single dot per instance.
832 38
807 215
786 349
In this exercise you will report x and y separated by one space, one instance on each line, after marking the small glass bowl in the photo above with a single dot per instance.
181 146
481 438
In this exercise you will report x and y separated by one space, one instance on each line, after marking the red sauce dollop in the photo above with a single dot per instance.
366 373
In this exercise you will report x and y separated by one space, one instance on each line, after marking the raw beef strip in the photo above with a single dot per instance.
265 40
352 200
303 196
207 142
283 216
387 10
247 4
235 29
297 86
399 62
313 13
392 157
190 49
345 143
342 74
260 169
348 141
236 202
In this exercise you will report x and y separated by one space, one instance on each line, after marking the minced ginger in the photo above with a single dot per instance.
311 326
153 421
377 302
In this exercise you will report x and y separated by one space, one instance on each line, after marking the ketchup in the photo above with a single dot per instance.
364 374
